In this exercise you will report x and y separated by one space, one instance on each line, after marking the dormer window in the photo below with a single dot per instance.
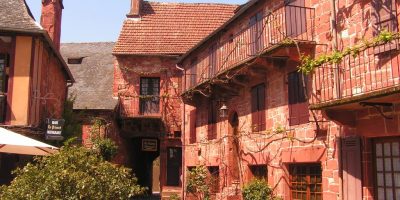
75 61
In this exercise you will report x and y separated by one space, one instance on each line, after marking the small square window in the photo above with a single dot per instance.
259 171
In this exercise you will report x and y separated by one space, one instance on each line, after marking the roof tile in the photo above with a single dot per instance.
170 28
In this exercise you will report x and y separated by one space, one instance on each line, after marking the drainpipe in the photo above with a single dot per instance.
335 47
184 133
69 84
337 87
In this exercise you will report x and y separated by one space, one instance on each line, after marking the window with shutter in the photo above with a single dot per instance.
298 105
351 164
258 108
192 137
387 168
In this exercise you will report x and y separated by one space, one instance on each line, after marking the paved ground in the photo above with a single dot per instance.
154 197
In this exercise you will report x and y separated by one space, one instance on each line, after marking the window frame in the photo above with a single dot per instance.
375 170
4 85
308 174
156 95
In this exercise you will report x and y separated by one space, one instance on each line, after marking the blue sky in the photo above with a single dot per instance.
98 20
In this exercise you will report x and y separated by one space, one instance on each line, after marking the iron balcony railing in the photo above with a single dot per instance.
140 106
264 31
357 76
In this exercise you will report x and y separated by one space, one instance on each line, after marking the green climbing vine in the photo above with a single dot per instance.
198 183
309 64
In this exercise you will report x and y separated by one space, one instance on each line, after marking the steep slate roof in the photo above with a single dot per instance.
15 15
170 28
94 77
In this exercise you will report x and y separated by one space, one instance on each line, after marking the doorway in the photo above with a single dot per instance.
174 166
145 153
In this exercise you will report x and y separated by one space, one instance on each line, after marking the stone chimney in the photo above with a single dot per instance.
135 9
51 19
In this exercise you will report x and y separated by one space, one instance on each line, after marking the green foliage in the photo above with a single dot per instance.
106 148
197 183
72 127
72 173
257 190
174 197
308 64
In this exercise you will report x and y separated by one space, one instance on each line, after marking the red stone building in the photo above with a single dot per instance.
147 84
332 134
34 78
361 95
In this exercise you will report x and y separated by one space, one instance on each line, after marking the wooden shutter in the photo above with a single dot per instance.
192 137
295 18
261 107
193 72
212 70
298 105
292 93
351 164
212 120
258 107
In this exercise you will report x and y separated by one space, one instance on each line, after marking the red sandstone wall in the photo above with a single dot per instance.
127 74
267 149
258 149
53 86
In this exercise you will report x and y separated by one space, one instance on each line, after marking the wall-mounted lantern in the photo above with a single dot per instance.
223 111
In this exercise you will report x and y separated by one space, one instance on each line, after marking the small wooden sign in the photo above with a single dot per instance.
149 145
54 129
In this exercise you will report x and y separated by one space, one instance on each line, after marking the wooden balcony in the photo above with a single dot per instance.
370 76
283 27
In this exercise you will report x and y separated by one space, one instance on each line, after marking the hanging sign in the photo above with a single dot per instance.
149 145
54 129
